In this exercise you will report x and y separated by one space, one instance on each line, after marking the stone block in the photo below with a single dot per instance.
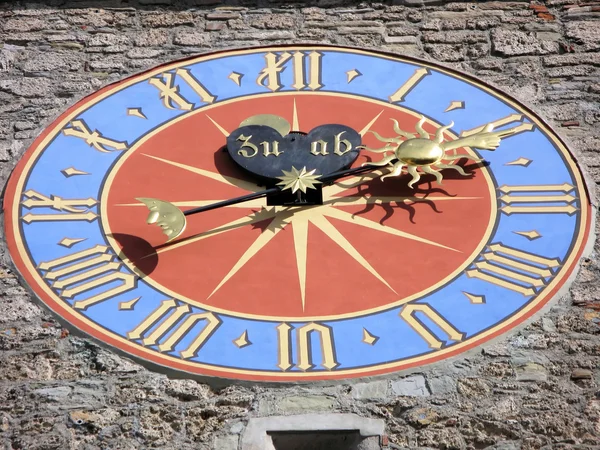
27 87
360 30
306 404
400 39
167 19
446 52
531 372
23 25
263 35
472 387
514 42
51 61
151 38
376 390
570 71
455 37
585 33
273 21
192 38
442 385
226 442
107 39
413 386
16 304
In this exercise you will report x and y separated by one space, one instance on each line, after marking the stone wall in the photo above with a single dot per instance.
537 387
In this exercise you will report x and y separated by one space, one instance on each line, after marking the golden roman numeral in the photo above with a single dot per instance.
514 269
540 199
409 314
304 336
503 121
79 129
169 91
306 69
76 209
86 270
175 323
409 85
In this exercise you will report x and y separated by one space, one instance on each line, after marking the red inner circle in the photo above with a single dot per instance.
351 264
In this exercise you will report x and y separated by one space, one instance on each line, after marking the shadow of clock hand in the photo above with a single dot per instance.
137 250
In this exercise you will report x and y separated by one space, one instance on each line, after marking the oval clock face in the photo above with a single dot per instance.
469 216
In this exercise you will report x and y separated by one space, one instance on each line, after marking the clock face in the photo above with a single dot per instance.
378 274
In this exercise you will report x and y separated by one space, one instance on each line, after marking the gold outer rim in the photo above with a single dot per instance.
149 355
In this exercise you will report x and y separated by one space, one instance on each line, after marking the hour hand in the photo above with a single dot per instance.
166 215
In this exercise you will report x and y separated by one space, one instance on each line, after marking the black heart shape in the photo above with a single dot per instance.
326 149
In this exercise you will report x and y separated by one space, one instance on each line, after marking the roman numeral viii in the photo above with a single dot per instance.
87 270
514 269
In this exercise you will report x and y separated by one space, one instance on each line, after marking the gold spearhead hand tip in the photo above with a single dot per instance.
166 215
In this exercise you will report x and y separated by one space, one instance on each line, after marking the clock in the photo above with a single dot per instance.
411 213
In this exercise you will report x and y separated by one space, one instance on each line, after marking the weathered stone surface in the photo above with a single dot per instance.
376 390
151 38
513 42
531 372
413 386
226 442
302 404
191 38
167 19
442 385
584 33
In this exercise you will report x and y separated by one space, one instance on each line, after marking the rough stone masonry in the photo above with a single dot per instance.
536 388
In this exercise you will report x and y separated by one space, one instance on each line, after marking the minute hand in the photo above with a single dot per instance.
172 220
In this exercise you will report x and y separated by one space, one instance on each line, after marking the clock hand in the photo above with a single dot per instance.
172 220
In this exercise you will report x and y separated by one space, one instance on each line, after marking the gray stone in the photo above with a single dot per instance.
106 39
375 390
196 38
236 428
455 37
58 393
413 386
585 33
306 403
442 385
167 19
531 372
548 326
504 445
370 443
227 442
151 38
27 87
521 357
513 42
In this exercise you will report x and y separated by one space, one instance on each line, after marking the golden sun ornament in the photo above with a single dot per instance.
429 155
298 179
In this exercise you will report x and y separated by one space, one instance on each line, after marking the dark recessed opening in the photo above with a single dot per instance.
319 440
